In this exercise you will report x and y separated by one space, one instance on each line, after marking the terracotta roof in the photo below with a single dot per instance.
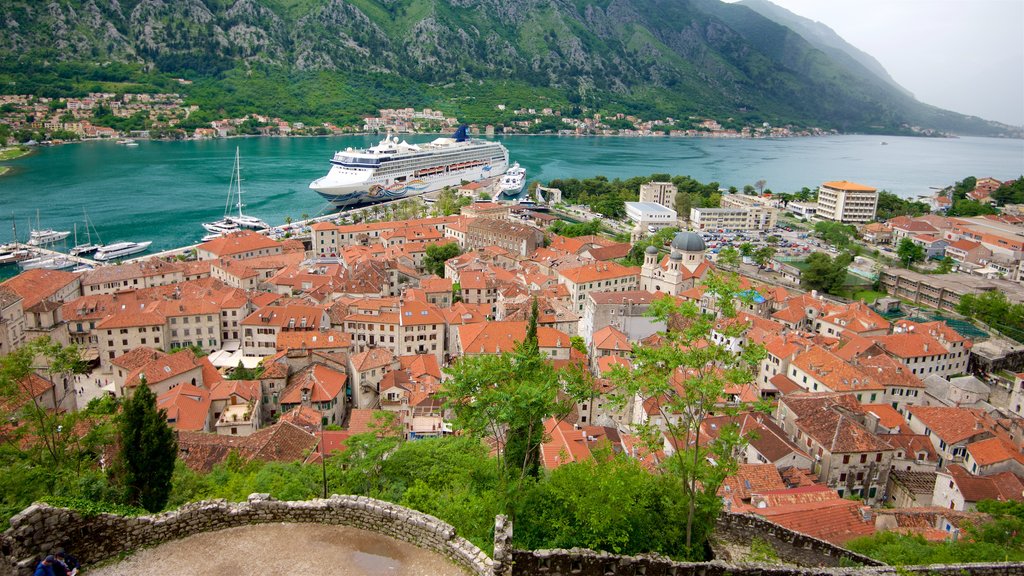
238 243
915 482
313 340
606 364
950 424
848 186
992 451
29 387
163 368
364 421
965 245
836 521
248 390
322 383
911 345
187 406
292 317
888 416
37 285
372 358
611 338
598 271
137 358
498 337
750 478
1003 486
826 418
857 317
304 417
834 372
568 443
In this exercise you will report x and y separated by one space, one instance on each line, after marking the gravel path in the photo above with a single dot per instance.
301 549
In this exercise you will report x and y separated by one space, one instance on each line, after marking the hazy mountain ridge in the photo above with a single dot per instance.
667 57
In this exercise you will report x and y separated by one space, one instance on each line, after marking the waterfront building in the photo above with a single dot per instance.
649 216
847 202
663 193
238 245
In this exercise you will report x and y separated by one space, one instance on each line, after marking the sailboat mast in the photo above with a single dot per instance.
238 180
14 227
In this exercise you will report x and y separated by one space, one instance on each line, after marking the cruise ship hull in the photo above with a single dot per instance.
366 193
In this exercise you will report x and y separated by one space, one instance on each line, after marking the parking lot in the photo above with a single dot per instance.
788 242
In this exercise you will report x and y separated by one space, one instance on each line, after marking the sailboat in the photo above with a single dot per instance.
42 236
88 247
230 222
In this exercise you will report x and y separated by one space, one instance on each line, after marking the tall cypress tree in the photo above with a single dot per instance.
148 451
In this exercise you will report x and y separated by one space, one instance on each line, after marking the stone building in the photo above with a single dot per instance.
516 238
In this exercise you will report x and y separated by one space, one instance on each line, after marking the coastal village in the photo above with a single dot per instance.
884 416
166 116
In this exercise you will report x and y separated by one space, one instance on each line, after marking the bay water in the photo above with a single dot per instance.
163 191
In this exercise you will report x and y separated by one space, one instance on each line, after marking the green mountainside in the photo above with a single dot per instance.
336 60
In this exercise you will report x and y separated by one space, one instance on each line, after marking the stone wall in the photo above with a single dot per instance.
40 528
791 547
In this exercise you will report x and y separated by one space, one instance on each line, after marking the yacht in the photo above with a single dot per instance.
43 236
47 236
392 170
231 222
12 254
513 181
127 142
120 250
48 263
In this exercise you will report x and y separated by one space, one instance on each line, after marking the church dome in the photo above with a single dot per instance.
688 242
675 256
651 250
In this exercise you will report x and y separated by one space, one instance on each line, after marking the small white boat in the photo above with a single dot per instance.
127 142
209 237
250 222
120 250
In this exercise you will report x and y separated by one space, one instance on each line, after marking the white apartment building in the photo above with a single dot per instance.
733 218
849 202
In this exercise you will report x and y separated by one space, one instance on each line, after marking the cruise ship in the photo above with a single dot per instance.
392 170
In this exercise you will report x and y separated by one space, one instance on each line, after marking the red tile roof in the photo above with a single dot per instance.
187 406
950 424
37 285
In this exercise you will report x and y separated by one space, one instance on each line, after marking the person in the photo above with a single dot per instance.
65 564
45 568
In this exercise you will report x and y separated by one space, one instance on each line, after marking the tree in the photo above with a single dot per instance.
764 255
945 265
748 190
825 274
841 235
508 397
685 378
729 257
760 184
746 249
437 255
148 451
578 344
909 252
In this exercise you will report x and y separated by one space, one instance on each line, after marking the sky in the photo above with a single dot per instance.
962 55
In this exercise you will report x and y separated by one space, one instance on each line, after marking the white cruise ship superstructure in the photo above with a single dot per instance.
392 169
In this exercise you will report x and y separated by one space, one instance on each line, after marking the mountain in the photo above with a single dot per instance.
331 59
825 39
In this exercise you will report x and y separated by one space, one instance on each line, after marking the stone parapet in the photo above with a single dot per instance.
39 528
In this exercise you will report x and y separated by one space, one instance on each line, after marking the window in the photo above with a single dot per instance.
846 459
863 458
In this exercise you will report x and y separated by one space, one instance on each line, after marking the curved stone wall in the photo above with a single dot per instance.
40 528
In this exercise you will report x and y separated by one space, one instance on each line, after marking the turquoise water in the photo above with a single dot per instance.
162 191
